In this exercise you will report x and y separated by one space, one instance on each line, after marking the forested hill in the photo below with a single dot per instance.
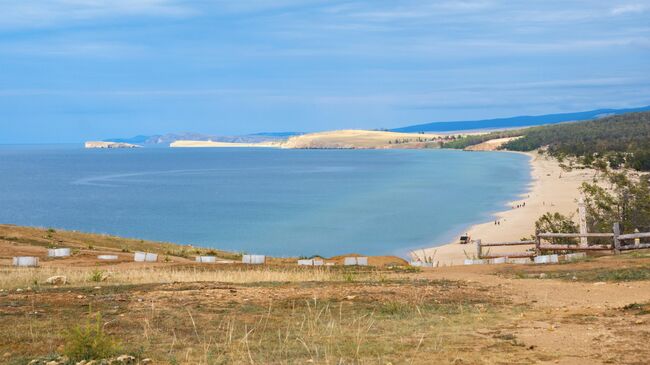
616 141
514 122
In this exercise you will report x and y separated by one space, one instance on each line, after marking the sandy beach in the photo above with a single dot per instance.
552 190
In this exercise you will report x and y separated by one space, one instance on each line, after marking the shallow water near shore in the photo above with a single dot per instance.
268 201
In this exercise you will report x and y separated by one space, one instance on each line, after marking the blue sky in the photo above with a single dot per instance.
72 70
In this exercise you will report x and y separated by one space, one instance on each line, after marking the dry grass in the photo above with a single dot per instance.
412 323
11 277
42 237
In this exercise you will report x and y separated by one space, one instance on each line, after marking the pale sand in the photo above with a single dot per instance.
360 139
551 190
490 145
342 139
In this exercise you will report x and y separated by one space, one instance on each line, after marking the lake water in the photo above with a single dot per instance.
268 201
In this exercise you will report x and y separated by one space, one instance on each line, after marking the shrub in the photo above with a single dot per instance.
89 342
97 276
557 223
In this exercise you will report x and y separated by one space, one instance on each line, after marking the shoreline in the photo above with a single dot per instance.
551 189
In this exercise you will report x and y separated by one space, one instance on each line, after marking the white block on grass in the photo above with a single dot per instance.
498 260
318 263
206 259
474 262
107 257
575 256
145 257
306 262
25 261
253 259
519 260
58 252
547 259
358 261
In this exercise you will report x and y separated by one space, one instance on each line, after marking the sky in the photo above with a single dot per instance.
74 70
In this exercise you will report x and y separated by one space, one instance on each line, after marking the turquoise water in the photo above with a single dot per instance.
269 201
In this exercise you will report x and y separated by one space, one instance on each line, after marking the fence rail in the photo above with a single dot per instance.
619 243
633 236
574 235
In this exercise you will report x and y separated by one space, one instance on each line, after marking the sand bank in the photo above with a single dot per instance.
552 190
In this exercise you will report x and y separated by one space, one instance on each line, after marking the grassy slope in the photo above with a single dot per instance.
51 238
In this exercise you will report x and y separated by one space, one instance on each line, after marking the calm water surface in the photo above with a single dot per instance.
278 202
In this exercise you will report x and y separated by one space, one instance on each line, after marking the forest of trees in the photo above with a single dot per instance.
615 142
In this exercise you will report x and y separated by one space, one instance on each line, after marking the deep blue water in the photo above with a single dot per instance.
279 202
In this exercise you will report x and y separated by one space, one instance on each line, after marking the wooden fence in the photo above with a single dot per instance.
619 242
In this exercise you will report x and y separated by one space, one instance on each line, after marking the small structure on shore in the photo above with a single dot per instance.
58 252
206 259
107 257
253 259
355 261
145 257
25 261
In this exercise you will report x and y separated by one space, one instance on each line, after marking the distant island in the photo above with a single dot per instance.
102 144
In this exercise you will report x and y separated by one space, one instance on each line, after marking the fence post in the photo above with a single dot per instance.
479 250
637 241
537 243
617 242
582 215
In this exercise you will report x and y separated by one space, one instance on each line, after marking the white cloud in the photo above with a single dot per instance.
630 9
43 13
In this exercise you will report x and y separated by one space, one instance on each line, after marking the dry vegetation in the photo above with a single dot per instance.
186 313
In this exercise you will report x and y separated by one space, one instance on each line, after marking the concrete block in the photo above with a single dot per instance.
25 261
206 259
145 257
253 259
58 252
547 259
474 262
575 256
498 260
520 260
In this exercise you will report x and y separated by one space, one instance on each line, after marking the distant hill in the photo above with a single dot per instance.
615 141
166 139
515 122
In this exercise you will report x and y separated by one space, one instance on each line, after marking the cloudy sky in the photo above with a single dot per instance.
72 70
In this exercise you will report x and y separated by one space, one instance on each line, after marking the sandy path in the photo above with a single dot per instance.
552 190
